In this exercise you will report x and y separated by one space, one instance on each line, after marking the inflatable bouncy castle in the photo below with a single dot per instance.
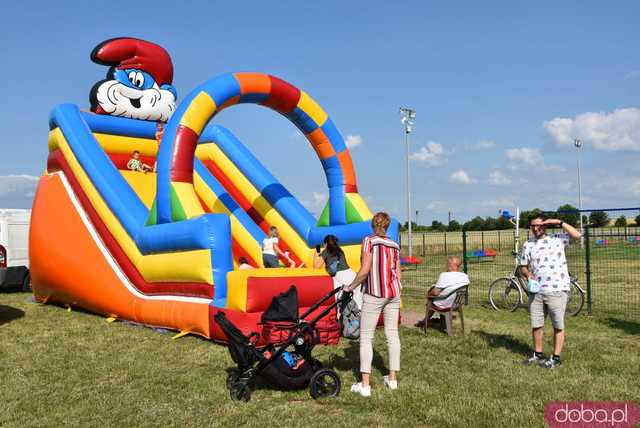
161 247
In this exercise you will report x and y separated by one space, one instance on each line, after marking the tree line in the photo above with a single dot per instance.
594 219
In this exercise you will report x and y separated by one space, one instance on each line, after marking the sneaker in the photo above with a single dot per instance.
535 359
364 391
391 384
550 363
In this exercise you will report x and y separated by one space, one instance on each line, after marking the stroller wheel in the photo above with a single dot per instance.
240 392
324 383
232 378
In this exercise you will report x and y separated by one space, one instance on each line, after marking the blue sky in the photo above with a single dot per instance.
500 89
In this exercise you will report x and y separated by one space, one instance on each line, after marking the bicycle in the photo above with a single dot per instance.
507 293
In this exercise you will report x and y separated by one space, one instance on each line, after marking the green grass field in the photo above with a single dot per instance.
72 368
615 268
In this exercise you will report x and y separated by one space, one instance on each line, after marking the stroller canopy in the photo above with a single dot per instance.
283 307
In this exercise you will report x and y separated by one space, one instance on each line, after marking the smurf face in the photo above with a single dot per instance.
135 94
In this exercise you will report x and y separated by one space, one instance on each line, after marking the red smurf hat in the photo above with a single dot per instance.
127 52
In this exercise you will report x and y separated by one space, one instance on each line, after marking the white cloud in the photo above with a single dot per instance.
353 141
431 154
437 205
481 145
316 204
619 130
17 191
554 168
525 155
319 198
634 186
505 202
497 178
635 74
22 183
461 177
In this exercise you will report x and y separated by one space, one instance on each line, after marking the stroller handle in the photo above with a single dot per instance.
321 301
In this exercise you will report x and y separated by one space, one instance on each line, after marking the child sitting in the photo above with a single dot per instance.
243 264
135 164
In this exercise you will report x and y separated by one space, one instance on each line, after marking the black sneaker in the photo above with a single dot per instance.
535 359
550 363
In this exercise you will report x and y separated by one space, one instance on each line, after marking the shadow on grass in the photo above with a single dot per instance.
351 360
505 341
629 327
9 313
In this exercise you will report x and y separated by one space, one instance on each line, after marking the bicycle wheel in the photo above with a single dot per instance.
505 295
575 299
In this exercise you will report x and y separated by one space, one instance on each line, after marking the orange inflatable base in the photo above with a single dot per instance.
71 265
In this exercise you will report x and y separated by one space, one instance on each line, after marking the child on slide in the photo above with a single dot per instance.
135 164
271 250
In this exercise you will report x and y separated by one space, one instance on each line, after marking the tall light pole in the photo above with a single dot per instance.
408 115
578 144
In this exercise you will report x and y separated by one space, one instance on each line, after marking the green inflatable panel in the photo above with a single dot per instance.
352 214
324 217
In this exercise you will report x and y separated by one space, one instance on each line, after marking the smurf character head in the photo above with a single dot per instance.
138 83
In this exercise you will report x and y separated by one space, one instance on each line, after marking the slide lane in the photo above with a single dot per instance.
116 149
118 137
223 187
98 274
268 202
85 273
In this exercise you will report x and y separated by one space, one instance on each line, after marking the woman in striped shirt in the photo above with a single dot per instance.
380 272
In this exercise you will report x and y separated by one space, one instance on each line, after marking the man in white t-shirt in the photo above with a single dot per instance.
544 264
446 286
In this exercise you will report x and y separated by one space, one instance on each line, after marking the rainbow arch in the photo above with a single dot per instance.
201 105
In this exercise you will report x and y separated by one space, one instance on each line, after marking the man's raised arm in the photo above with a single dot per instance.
572 231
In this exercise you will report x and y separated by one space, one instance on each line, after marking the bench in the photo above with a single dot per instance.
409 263
482 255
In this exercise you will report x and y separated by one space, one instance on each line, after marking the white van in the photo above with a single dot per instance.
14 248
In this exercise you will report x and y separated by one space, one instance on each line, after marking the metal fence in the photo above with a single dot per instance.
606 264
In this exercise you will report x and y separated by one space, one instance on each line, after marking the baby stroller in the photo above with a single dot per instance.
290 369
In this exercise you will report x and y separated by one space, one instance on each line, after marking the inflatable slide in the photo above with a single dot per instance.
162 248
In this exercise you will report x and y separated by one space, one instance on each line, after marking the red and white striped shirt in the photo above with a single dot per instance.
383 279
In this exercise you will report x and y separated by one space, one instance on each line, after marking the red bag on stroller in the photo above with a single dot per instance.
277 332
281 319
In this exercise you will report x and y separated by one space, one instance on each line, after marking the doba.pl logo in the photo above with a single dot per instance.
577 414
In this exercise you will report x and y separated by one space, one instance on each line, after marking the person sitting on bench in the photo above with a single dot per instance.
447 284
